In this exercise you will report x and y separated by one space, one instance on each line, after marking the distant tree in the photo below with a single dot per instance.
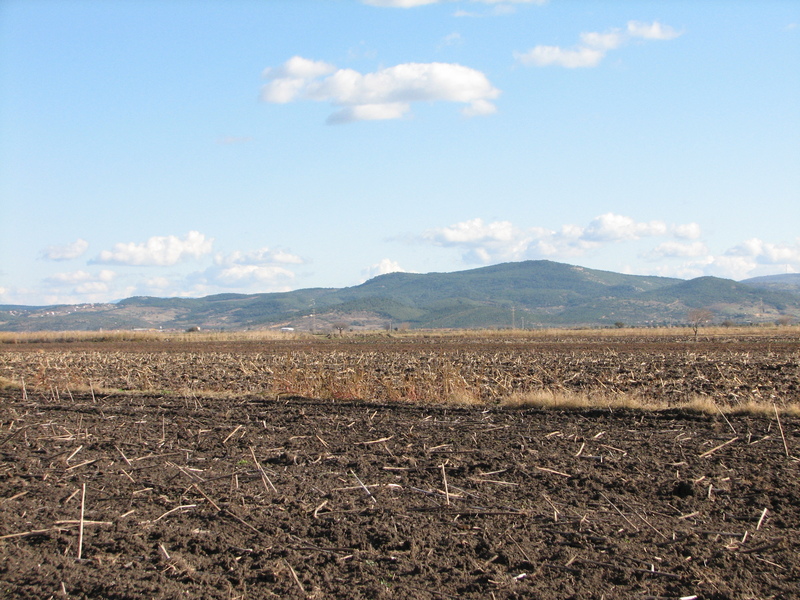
699 317
340 326
619 325
785 320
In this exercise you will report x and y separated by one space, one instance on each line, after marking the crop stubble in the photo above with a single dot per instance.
259 495
730 371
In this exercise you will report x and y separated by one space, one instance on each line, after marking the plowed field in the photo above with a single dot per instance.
265 495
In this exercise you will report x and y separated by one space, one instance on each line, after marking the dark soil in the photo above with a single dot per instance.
732 370
201 498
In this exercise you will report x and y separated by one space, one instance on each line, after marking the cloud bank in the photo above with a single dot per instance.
81 283
157 251
67 251
258 269
593 47
384 94
682 254
744 258
485 243
383 267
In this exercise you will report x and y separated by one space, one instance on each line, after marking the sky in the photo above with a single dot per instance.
187 148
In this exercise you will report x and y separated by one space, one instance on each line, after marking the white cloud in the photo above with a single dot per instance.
764 253
543 56
473 231
750 258
369 112
248 275
501 240
288 81
451 39
263 270
680 253
673 249
482 242
615 228
92 286
594 46
76 277
157 251
734 267
602 41
385 266
67 251
479 108
384 94
651 31
158 283
684 270
689 231
261 256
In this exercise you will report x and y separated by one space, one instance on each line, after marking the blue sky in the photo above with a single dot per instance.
177 148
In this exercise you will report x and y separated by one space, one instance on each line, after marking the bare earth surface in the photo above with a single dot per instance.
264 494
731 370
303 499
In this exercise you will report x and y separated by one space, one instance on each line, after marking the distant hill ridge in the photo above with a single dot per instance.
526 294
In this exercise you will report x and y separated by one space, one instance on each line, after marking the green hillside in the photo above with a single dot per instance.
530 294
789 282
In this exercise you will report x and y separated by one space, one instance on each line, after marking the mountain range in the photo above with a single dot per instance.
528 294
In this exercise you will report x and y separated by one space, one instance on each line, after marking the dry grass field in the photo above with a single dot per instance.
572 464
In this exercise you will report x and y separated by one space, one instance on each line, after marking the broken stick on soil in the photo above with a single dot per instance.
232 433
295 577
265 480
80 529
780 426
172 510
446 490
761 519
709 452
364 487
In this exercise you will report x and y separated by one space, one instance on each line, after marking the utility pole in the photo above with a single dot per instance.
513 317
